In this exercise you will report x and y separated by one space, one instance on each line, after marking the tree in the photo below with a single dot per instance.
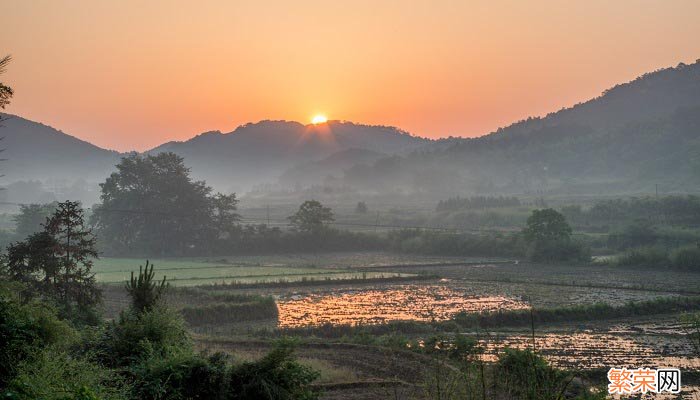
151 205
31 218
224 216
549 238
312 217
361 208
56 263
547 224
6 92
145 292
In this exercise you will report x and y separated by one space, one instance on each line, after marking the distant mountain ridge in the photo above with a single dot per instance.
36 151
253 153
260 152
632 135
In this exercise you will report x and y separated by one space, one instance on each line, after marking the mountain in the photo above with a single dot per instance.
334 165
252 154
627 140
260 152
633 136
34 151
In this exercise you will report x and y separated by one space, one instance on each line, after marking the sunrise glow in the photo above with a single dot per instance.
464 68
319 119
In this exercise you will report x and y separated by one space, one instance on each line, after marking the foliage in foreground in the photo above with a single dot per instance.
26 328
145 354
457 371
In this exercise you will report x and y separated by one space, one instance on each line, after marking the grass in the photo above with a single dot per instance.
252 309
200 271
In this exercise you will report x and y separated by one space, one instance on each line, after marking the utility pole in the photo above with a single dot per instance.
268 215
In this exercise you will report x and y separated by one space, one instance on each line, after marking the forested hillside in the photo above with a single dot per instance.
626 140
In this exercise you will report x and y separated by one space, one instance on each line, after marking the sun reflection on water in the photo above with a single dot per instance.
374 306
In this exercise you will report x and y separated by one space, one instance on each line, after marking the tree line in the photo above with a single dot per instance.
152 207
476 203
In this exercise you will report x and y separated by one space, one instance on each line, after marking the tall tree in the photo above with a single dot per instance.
547 224
56 263
312 217
151 206
548 236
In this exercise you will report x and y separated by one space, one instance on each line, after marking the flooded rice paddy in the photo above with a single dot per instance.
373 306
588 350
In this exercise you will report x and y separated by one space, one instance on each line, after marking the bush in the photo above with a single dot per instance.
24 328
643 257
637 234
554 250
180 375
525 375
423 242
687 258
56 375
136 335
277 376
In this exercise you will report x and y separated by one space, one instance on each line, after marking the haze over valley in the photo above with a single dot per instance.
309 200
581 149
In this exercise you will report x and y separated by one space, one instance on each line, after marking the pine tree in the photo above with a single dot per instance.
57 263
144 290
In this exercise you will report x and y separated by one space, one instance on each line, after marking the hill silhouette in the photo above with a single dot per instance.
633 136
36 151
259 152
630 138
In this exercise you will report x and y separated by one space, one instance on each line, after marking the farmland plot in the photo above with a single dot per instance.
192 272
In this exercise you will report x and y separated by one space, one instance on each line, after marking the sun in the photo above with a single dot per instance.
319 119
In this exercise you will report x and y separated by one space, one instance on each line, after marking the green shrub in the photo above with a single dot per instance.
277 376
637 234
418 241
53 374
643 257
525 375
687 258
554 250
180 374
136 335
144 290
24 328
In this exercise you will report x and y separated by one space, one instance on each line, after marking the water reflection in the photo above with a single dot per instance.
585 350
373 306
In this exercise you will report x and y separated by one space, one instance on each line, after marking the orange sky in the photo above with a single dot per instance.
133 74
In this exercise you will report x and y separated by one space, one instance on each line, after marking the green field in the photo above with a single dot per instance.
201 271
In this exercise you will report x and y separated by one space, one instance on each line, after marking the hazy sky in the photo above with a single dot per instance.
133 74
